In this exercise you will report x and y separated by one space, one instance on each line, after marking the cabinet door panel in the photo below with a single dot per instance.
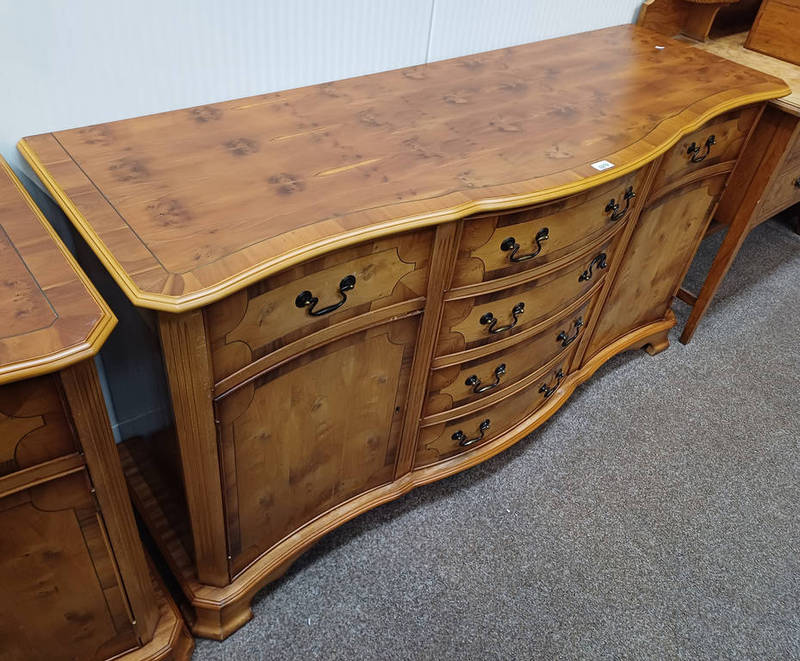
62 596
311 434
33 424
657 257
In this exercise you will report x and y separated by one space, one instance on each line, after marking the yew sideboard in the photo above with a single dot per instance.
370 284
74 579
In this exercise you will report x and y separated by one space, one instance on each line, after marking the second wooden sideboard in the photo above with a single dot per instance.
367 285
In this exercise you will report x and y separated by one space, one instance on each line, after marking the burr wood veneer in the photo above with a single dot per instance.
74 581
367 285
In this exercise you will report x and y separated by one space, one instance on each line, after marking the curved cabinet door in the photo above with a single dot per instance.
310 434
657 257
62 599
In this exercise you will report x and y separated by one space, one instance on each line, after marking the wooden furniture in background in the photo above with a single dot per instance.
767 180
371 284
74 581
776 30
692 18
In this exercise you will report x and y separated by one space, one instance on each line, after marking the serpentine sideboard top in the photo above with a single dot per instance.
186 207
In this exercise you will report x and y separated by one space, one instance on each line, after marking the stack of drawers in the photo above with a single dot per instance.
523 292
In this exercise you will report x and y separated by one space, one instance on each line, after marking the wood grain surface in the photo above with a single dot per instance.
52 315
187 207
732 48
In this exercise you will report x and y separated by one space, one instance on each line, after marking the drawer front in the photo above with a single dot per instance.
793 150
457 385
481 320
60 597
784 192
312 296
34 426
311 434
448 439
503 244
718 141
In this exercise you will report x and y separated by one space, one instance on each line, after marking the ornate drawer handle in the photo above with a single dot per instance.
548 390
567 340
511 244
465 442
796 182
306 298
694 149
613 206
599 262
475 382
489 319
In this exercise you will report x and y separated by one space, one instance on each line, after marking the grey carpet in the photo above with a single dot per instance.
655 516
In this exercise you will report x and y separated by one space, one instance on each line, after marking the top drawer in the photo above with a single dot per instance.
314 295
494 246
717 141
34 427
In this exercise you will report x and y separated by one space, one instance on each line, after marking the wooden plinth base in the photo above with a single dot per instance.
219 611
171 640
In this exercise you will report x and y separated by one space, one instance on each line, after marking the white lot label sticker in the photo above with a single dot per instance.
602 165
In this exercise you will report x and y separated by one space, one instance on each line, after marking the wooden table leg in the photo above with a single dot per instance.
738 208
722 262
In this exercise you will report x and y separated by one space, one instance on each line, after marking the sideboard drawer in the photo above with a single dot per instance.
494 246
480 320
784 191
314 295
456 385
34 426
717 141
448 439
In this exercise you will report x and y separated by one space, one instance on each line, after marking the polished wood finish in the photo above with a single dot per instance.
188 207
438 440
718 142
288 424
731 47
464 327
657 259
448 388
264 317
568 225
52 316
74 582
188 361
776 29
760 187
692 18
350 421
763 183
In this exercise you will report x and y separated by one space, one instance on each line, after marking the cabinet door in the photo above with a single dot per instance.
656 259
307 436
60 595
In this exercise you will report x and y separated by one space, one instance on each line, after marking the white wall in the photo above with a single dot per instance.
69 63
